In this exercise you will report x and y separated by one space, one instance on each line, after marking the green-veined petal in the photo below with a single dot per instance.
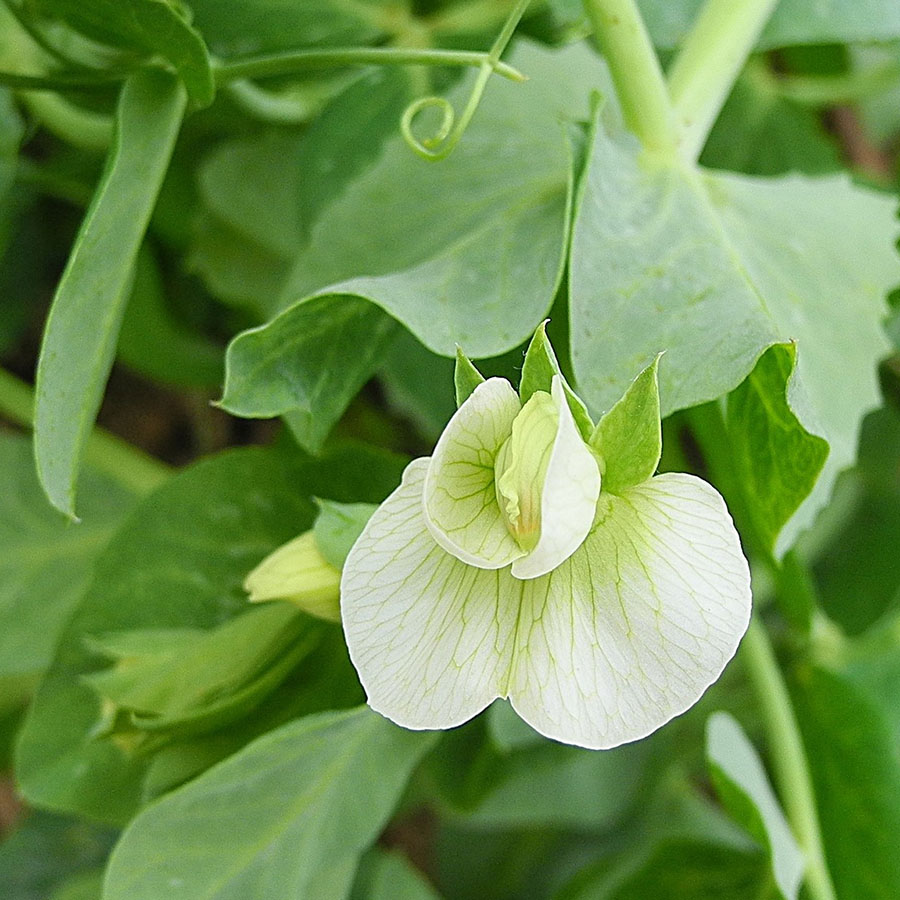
461 509
430 637
568 498
632 628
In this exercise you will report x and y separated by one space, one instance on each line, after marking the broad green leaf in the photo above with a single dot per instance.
441 227
251 829
44 850
80 336
538 370
419 385
550 785
154 344
45 561
856 571
684 868
179 562
310 365
793 22
745 791
629 436
337 527
465 377
776 460
266 26
718 268
508 732
152 26
390 876
506 190
86 886
855 765
759 132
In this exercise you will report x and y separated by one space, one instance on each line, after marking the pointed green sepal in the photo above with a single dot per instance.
629 436
465 377
337 527
538 370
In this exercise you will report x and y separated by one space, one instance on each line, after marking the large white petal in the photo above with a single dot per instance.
461 509
569 498
631 629
430 637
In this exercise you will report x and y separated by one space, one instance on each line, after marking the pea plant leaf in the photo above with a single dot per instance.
265 823
151 26
744 789
481 237
718 267
855 767
45 562
80 336
180 562
776 459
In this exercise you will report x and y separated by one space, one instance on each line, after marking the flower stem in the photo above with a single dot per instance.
788 756
303 60
128 465
710 59
636 72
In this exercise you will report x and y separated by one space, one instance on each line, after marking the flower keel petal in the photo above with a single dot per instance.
430 637
631 630
569 496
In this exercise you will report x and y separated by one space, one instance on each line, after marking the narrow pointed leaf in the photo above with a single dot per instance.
337 527
744 789
80 335
629 436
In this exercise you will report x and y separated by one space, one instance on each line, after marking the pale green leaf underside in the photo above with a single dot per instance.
716 268
624 635
460 503
737 767
275 819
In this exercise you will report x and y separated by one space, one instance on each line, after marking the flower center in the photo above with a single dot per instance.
521 466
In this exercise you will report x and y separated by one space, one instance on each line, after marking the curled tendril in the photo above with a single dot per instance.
440 144
445 137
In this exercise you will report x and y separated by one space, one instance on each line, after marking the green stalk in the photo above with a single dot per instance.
636 72
304 60
709 62
788 756
124 462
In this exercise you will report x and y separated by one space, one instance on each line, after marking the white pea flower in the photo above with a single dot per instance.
536 557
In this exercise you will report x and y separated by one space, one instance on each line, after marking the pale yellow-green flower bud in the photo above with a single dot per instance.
297 572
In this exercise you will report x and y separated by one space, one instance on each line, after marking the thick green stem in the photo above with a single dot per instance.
128 465
788 756
636 72
709 62
304 60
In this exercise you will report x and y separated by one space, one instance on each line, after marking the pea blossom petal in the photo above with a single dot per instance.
633 627
461 509
568 497
430 636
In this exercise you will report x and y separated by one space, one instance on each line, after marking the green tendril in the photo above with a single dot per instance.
439 145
